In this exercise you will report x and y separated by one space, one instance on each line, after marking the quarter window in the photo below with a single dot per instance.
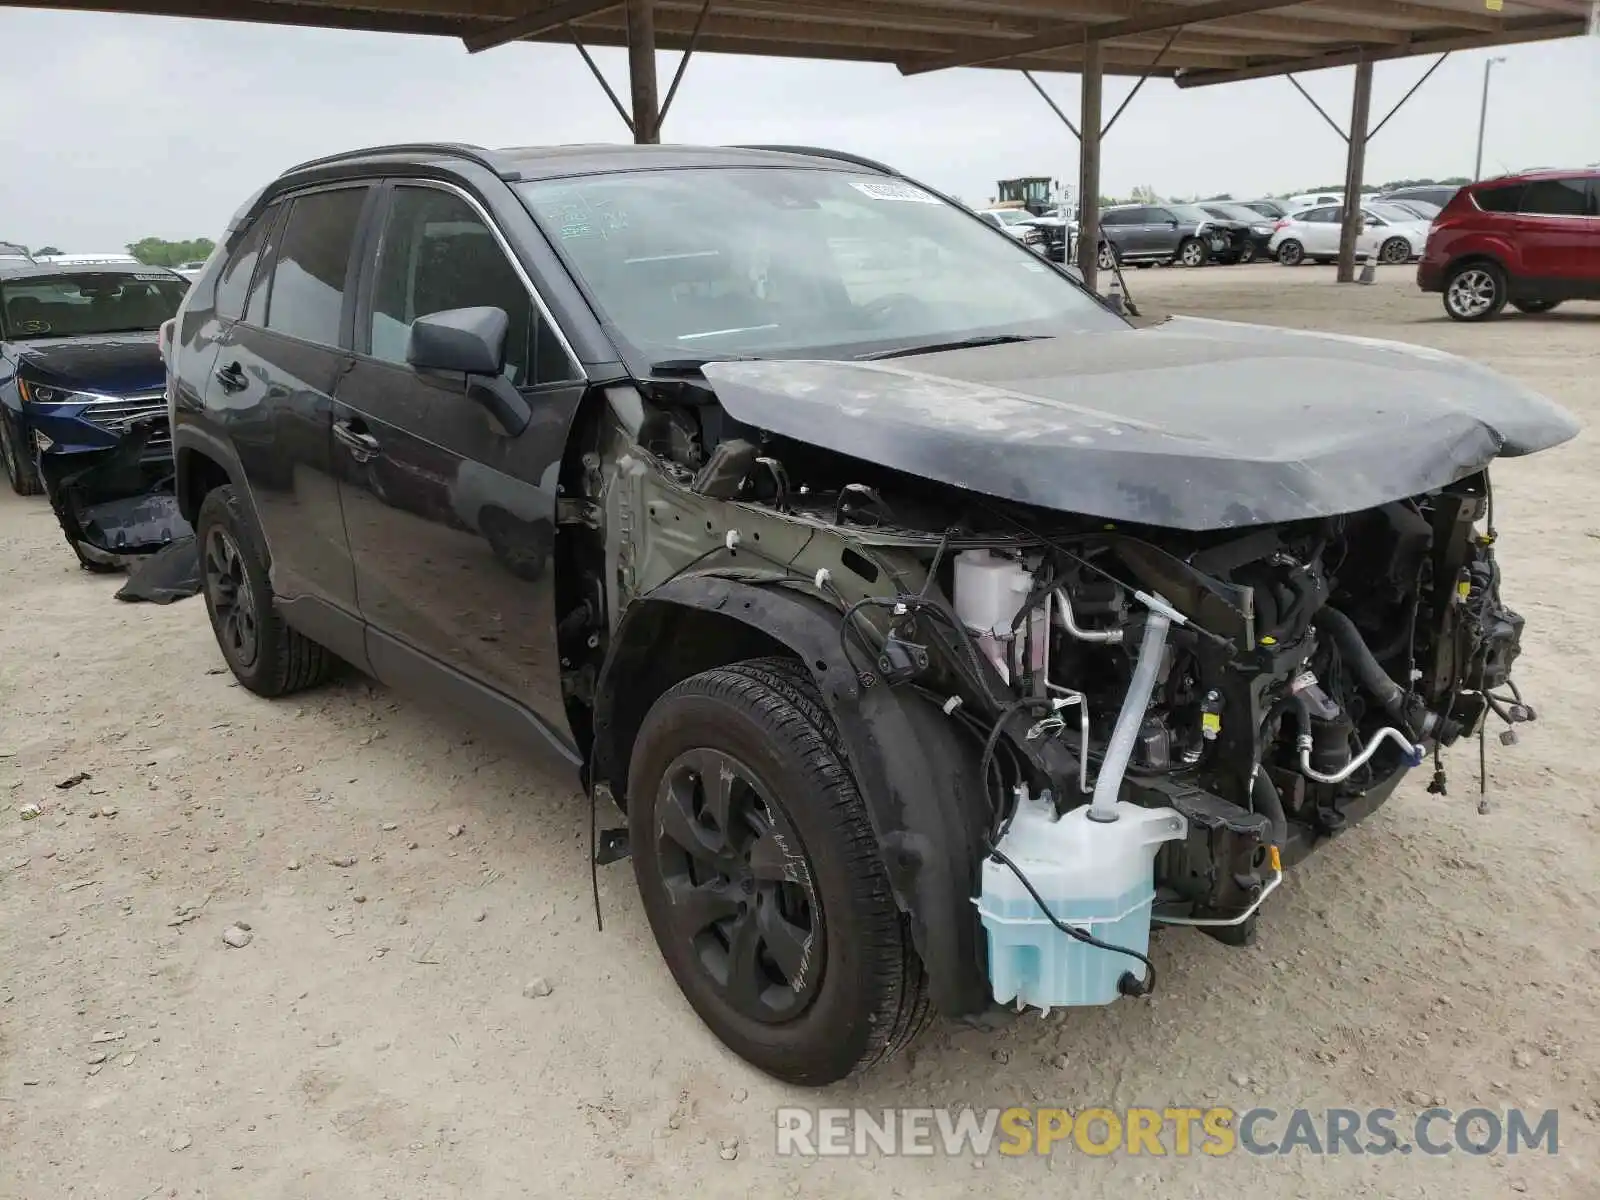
1500 199
308 275
437 254
235 280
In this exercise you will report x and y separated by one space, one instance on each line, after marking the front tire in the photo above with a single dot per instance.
1247 254
262 651
21 470
1532 307
1291 253
1475 292
1192 252
759 873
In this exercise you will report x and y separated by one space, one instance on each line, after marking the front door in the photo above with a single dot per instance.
1159 233
451 522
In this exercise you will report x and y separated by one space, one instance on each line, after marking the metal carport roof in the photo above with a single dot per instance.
1193 42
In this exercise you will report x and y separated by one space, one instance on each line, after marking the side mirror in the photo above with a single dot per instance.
472 342
469 340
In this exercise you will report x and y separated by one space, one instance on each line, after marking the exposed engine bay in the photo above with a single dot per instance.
1270 683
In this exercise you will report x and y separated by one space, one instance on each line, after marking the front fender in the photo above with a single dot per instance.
915 767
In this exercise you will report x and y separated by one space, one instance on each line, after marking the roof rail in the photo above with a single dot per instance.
487 159
820 152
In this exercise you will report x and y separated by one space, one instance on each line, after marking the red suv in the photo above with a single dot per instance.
1531 240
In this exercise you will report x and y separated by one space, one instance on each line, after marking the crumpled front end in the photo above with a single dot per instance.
117 505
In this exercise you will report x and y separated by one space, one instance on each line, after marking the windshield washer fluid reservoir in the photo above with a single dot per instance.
1095 876
990 591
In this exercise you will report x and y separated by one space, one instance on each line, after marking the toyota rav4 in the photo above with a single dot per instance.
937 631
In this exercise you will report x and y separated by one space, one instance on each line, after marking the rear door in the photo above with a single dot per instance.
1320 232
1554 231
451 521
272 390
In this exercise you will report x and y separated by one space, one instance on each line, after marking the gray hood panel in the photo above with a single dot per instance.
1193 424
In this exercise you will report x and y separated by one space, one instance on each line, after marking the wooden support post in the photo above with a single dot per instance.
1355 171
642 71
1089 163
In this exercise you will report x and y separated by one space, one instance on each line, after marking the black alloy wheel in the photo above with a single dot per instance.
739 885
231 600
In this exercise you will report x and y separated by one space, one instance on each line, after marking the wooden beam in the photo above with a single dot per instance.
749 36
1089 120
1403 12
1355 169
541 19
1544 31
1167 18
917 17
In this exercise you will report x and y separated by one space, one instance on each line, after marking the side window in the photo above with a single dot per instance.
436 254
1555 198
1116 217
308 274
235 279
1593 209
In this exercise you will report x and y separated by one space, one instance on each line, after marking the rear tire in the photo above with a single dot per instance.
745 823
262 651
21 470
1395 250
1532 307
1108 258
1475 291
1291 253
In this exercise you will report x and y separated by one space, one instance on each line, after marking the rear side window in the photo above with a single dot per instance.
235 280
1594 197
308 275
1506 199
1555 198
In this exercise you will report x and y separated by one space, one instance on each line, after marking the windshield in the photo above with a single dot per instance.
89 302
1393 212
723 262
1235 212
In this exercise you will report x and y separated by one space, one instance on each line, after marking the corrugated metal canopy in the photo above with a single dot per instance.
1196 42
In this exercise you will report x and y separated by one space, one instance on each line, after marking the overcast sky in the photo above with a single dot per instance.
121 127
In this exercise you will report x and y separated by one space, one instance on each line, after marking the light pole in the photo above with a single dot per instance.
1483 114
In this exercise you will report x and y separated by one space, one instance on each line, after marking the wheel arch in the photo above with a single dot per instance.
198 469
915 768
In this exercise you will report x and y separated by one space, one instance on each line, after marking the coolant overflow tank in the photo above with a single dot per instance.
1095 876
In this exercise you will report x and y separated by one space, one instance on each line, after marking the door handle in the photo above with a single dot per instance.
363 447
232 378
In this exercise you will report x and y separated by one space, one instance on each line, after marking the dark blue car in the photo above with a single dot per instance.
83 412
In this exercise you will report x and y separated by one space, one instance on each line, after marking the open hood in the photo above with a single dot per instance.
1194 424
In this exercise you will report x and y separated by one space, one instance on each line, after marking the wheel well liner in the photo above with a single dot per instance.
916 768
197 474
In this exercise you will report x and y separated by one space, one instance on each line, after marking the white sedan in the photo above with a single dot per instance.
1388 234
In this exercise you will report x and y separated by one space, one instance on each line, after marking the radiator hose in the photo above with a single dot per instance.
1358 657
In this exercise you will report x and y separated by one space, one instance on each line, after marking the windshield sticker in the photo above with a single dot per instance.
162 277
33 326
892 189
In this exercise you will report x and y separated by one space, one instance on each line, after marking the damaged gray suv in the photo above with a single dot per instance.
938 632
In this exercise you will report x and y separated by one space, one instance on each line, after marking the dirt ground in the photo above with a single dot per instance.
406 882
